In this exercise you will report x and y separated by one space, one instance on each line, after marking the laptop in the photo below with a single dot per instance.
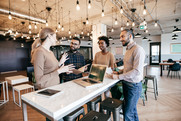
95 78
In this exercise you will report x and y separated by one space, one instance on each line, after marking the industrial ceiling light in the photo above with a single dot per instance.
59 25
137 35
176 30
78 7
29 25
69 23
87 21
56 30
122 28
149 40
173 39
156 24
127 24
116 22
144 10
146 31
69 31
46 23
89 5
10 17
29 31
82 32
133 24
175 36
62 28
121 11
35 26
102 14
112 30
144 38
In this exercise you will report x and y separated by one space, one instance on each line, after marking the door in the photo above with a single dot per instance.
155 53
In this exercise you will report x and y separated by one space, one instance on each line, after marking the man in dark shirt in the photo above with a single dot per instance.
75 58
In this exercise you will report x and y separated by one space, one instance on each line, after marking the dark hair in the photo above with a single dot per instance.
130 31
106 40
76 38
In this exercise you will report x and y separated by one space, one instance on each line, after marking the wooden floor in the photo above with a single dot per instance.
166 108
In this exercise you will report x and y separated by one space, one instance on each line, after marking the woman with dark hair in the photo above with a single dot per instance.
46 66
104 57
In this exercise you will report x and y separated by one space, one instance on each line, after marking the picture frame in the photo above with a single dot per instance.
175 48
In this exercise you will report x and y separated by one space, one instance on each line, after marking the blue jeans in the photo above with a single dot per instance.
131 92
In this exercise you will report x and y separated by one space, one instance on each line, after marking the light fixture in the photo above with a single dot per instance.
112 30
10 31
56 30
144 10
146 31
149 40
144 22
78 7
176 30
69 31
116 22
82 32
88 34
46 23
87 21
75 34
175 36
62 28
35 26
121 11
133 24
83 37
122 28
29 31
89 5
102 14
137 35
127 24
173 39
10 17
144 38
70 36
59 25
22 36
156 24
29 26
16 33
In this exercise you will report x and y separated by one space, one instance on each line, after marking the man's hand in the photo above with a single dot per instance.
113 76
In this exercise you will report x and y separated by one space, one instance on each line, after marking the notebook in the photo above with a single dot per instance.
95 78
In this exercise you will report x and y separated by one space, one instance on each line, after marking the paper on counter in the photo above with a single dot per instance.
109 70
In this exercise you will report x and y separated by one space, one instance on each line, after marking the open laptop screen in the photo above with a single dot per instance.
97 72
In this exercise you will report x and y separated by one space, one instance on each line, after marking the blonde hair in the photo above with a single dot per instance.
42 37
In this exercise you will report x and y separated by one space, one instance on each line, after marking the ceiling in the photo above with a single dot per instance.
64 11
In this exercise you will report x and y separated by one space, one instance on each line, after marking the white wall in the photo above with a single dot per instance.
166 40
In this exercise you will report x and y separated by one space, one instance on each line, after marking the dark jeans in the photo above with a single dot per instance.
131 92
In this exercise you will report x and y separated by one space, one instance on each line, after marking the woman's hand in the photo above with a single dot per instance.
67 68
63 58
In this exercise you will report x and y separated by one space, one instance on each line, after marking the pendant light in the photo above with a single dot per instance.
89 4
112 30
156 24
102 14
87 19
69 23
77 6
10 17
62 19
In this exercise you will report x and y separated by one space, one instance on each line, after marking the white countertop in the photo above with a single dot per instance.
72 97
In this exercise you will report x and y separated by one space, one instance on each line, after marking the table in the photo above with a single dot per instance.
72 97
12 80
5 93
173 60
163 64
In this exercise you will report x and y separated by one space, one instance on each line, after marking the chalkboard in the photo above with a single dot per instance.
175 48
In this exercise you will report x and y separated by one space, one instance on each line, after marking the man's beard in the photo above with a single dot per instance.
126 43
73 50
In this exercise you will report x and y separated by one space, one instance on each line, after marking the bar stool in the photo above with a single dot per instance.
92 104
75 114
19 88
112 105
96 116
155 87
